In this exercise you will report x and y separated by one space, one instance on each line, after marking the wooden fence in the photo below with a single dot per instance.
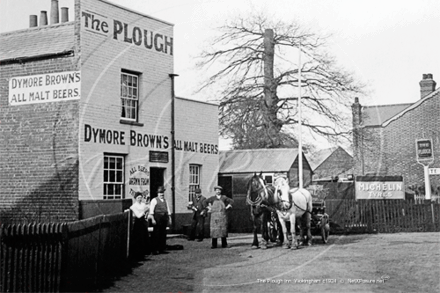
53 257
383 216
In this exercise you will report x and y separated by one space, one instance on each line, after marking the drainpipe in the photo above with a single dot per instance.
173 155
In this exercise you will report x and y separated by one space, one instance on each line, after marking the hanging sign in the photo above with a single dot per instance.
424 150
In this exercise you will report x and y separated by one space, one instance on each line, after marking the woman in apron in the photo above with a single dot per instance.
217 206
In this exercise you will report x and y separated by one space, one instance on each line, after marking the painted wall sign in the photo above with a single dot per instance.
139 180
424 150
379 187
134 138
124 32
139 139
44 88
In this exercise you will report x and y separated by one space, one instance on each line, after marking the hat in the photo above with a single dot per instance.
218 187
160 189
198 190
138 194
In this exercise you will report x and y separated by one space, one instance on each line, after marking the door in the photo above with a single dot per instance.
156 180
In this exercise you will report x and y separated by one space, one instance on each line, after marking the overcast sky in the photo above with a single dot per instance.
388 44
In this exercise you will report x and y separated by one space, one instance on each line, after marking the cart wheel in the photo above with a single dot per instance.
325 231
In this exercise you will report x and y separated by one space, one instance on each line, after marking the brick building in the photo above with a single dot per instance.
88 117
385 136
331 164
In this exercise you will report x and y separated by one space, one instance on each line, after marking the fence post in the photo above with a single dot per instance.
129 233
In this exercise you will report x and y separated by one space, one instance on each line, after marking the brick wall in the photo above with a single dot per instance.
38 151
391 149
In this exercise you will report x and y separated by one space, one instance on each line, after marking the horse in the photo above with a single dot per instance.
290 205
260 200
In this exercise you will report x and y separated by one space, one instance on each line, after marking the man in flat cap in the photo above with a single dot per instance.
217 205
198 206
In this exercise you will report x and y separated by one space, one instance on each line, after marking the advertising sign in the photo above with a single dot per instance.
424 150
44 88
139 180
379 187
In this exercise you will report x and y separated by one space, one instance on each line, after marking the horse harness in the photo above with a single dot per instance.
291 202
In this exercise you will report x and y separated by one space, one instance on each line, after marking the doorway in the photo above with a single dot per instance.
156 180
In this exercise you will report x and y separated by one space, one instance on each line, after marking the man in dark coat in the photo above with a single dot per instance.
198 206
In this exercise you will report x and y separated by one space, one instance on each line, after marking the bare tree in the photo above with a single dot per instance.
258 95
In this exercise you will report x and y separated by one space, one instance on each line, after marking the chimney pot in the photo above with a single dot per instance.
427 85
54 14
33 21
43 18
64 14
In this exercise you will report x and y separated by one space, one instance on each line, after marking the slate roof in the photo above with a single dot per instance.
376 115
434 94
257 160
38 41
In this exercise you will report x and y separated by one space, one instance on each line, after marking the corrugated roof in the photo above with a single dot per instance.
257 160
37 41
376 115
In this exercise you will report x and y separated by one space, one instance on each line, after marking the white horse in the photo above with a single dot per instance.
292 204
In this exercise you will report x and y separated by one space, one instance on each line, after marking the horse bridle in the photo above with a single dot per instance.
291 202
259 198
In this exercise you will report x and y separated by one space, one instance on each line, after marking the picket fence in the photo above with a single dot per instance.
383 216
63 257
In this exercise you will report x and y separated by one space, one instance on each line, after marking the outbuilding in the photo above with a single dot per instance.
238 166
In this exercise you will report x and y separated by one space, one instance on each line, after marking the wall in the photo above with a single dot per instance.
38 149
196 143
400 137
108 46
391 150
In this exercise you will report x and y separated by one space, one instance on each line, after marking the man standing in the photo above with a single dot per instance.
218 204
160 217
198 206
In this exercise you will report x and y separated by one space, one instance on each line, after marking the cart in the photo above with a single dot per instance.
320 222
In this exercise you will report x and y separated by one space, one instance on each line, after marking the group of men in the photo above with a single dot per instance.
215 205
157 214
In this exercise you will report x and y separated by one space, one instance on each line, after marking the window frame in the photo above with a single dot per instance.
131 95
116 185
194 179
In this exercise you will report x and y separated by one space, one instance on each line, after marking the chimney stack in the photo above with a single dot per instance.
33 21
54 13
64 14
427 85
43 18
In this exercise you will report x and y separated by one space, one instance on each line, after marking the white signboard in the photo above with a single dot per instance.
44 88
376 188
139 180
434 171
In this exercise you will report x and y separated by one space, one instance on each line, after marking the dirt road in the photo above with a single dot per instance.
402 262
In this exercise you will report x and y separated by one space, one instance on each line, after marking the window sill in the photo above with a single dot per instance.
130 122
